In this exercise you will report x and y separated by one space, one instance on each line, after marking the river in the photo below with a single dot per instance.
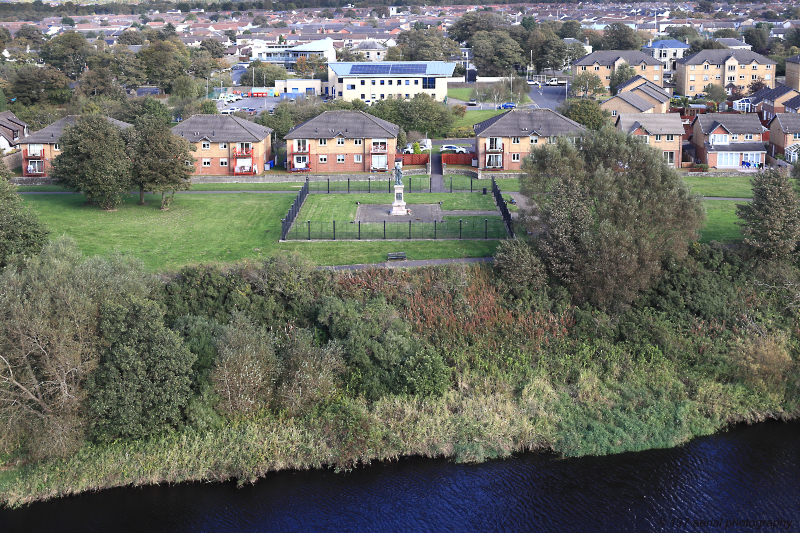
748 473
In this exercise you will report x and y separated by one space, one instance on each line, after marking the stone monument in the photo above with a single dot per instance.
399 205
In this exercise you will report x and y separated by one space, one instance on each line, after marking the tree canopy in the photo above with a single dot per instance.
21 233
771 222
585 111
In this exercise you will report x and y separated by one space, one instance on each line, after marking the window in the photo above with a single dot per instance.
705 78
514 140
608 77
767 76
658 138
706 66
691 78
322 142
583 68
362 96
613 112
323 159
416 82
644 67
796 136
731 78
408 82
755 67
223 146
691 88
727 159
535 140
340 158
734 136
655 67
752 157
646 139
358 158
670 137
753 77
597 67
494 161
428 83
382 96
669 157
373 82
515 158
206 162
390 82
691 67
340 141
719 138
351 87
748 136
205 145
655 77
731 67
408 95
768 67
56 147
358 142
382 82
741 76
223 162
363 82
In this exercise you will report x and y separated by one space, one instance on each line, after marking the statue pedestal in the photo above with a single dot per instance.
399 205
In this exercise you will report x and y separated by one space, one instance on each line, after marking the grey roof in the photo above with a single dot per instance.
730 42
770 94
631 81
369 45
652 123
52 133
9 123
734 123
653 91
347 124
789 122
736 147
610 57
526 122
793 59
633 99
221 128
792 103
717 57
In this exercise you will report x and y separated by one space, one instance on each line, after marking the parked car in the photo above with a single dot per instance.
472 102
556 81
507 105
453 148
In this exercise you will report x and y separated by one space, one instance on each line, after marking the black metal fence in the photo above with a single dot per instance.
370 185
286 223
504 212
345 230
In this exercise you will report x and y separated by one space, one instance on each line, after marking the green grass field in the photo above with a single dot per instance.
220 229
720 222
722 186
324 207
463 93
473 117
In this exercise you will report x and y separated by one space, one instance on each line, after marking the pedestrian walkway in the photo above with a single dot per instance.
437 178
410 263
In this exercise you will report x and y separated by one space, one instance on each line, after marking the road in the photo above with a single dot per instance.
548 97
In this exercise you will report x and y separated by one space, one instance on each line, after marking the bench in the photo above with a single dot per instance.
394 256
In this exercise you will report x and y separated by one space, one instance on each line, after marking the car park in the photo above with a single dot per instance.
453 148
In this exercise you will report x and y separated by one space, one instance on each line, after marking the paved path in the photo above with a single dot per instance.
409 263
470 213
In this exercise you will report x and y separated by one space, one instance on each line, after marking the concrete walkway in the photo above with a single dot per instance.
410 264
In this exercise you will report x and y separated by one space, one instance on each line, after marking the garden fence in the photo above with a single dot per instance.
415 159
504 212
370 185
389 230
458 159
286 223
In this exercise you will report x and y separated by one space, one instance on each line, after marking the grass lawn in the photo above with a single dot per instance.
722 186
507 184
221 229
473 117
324 207
720 222
464 93
41 188
289 186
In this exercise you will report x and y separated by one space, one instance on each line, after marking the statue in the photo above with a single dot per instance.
398 174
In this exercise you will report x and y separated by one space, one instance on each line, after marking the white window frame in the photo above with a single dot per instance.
322 142
358 158
205 145
358 142
340 158
340 141
323 159
206 162
223 146
515 158
514 140
223 161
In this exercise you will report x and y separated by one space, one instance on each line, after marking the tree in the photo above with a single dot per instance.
771 222
100 82
213 47
471 23
49 308
757 38
161 162
757 85
67 21
703 44
716 93
264 74
587 83
131 37
610 211
681 33
30 34
726 33
571 29
619 36
584 111
348 56
68 53
495 53
94 161
21 233
164 62
705 6
144 106
143 381
621 74
427 45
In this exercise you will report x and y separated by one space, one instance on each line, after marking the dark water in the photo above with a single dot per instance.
748 473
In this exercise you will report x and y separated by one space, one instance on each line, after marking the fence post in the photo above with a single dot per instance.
329 185
334 230
384 230
451 184
459 227
348 185
359 230
409 229
309 230
369 184
434 230
485 228
470 185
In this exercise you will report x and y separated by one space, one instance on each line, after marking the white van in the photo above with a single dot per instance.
227 112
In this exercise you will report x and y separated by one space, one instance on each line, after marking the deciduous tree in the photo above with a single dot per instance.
771 222
619 36
21 232
495 53
584 111
68 53
621 74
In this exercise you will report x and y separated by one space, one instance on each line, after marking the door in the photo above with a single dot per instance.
380 162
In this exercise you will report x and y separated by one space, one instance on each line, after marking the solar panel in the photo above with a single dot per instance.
412 68
370 69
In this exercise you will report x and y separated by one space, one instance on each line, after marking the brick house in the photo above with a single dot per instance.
648 90
342 141
724 140
722 67
502 142
784 136
662 130
40 148
767 102
604 63
626 103
12 130
227 145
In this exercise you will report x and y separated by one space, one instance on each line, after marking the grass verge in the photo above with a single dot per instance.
473 117
721 186
720 222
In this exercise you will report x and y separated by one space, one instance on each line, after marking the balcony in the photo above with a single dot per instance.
244 170
380 148
494 147
303 149
242 152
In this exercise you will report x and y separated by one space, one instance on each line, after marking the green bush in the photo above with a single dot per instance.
463 132
423 373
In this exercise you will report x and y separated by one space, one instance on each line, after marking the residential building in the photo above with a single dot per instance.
668 51
379 80
663 131
722 67
723 140
12 130
637 95
372 50
767 102
287 56
793 72
784 136
734 44
604 63
342 141
626 102
792 105
227 145
503 141
40 148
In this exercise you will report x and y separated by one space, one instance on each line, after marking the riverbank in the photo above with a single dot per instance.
459 363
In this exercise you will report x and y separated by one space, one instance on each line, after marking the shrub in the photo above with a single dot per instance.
423 373
463 132
763 360
311 374
517 263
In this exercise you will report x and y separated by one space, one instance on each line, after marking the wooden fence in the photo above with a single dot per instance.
415 159
458 159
